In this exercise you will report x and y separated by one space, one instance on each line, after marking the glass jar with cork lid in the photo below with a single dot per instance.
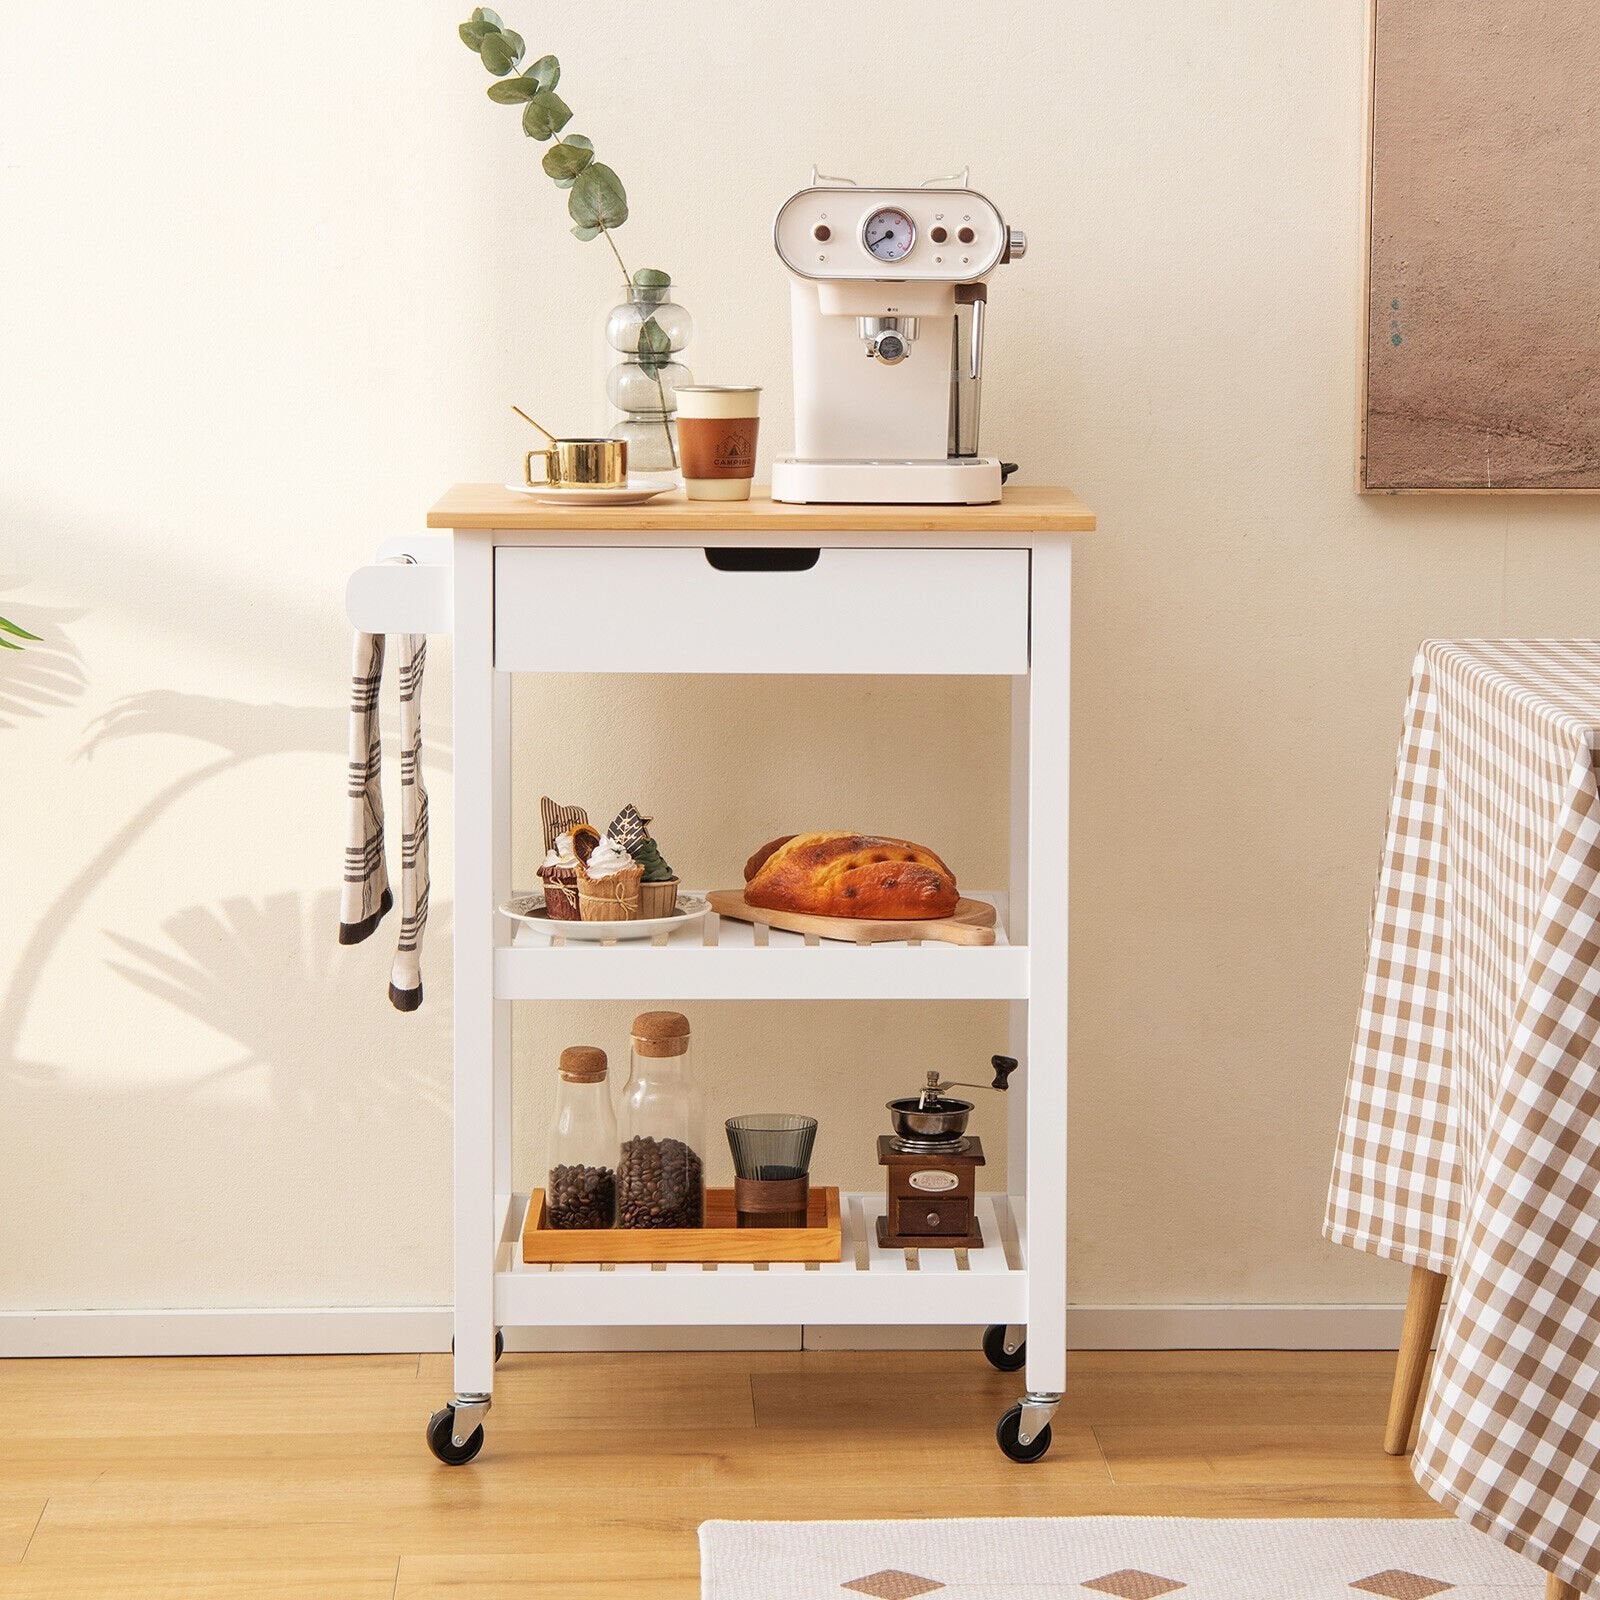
661 1180
581 1191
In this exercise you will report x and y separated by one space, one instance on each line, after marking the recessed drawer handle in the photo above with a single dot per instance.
731 558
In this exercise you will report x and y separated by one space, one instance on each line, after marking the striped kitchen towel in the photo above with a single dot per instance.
366 896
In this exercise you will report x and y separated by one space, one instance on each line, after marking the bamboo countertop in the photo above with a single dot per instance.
1025 509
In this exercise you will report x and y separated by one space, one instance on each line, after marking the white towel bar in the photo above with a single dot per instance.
392 596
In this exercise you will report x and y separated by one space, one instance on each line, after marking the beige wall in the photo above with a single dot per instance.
269 284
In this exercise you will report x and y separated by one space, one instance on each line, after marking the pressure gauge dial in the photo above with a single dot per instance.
888 234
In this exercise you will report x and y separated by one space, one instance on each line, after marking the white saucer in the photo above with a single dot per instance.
528 909
633 493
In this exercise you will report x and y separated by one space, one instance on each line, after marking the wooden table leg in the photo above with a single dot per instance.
1416 1339
1555 1589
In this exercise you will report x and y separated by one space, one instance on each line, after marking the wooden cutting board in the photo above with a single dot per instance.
972 922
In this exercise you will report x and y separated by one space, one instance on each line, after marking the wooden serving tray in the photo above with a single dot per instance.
722 1239
972 922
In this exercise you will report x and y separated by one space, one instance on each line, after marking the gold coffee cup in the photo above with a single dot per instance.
579 464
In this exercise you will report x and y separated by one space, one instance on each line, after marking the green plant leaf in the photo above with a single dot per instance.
578 141
586 234
512 91
598 199
21 633
547 70
652 278
500 52
545 115
489 19
478 27
655 347
6 644
568 159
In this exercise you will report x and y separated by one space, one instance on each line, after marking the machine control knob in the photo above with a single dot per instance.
1016 244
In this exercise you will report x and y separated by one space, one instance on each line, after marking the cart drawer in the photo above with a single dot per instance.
687 609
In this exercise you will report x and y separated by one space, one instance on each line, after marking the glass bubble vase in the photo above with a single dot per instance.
648 331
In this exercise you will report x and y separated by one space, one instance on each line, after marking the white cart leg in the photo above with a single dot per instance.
1021 1430
451 1434
500 838
1017 933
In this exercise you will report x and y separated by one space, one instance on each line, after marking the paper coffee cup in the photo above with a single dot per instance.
717 428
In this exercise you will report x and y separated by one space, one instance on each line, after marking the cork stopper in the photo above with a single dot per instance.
661 1033
583 1063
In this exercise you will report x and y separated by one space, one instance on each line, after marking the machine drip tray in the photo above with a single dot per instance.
969 481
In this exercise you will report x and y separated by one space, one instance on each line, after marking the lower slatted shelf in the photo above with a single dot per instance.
869 1284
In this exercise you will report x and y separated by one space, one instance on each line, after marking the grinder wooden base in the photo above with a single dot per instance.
931 1198
929 1241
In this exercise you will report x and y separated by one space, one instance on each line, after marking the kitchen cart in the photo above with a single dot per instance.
755 587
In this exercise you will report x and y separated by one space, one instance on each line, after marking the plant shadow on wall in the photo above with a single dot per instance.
41 668
242 732
268 976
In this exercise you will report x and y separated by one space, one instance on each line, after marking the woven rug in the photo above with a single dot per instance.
1128 1558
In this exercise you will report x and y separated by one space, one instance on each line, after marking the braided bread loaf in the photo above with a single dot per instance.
850 875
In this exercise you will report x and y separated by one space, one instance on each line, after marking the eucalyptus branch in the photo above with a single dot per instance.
596 200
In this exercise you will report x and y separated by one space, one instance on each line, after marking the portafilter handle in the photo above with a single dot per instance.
1003 1066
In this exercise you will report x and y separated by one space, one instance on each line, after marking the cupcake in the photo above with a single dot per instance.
658 889
608 884
559 875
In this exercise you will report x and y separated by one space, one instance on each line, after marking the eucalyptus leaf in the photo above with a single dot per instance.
545 115
567 160
22 633
655 348
582 144
547 70
498 54
598 199
513 91
478 27
585 234
652 278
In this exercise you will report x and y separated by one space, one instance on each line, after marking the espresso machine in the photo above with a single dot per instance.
887 296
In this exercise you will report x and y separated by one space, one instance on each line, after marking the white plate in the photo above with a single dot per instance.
528 909
633 493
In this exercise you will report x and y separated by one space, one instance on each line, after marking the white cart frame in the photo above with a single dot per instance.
1011 577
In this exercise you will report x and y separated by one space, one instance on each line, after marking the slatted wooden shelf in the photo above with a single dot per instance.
722 959
867 1285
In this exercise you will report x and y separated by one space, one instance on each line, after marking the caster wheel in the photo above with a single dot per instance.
994 1350
499 1346
1006 1434
440 1441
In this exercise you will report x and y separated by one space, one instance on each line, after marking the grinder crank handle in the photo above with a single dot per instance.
1003 1066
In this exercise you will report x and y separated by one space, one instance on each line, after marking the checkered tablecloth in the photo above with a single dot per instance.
1470 1140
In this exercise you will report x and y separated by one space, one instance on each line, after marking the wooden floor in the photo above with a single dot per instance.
309 1477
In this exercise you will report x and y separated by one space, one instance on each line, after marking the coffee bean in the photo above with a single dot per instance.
662 1184
581 1197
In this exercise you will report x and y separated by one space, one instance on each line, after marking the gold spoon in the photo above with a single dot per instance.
539 425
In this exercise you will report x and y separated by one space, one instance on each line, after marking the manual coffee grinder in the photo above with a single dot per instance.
930 1167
